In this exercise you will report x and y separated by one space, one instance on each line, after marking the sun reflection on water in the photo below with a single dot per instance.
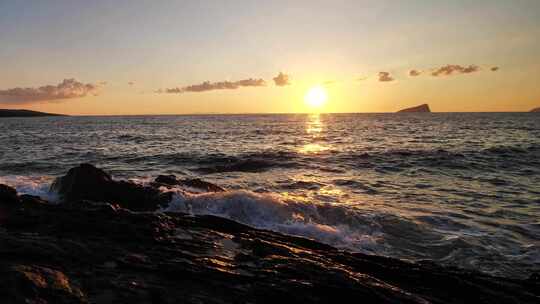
315 131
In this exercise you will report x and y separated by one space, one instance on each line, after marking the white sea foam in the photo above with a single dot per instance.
33 185
272 212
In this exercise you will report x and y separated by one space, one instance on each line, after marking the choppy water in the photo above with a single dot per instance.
459 189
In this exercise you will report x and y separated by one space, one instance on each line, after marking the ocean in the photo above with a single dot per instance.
458 189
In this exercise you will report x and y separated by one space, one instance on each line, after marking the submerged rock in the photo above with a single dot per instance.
424 108
91 252
171 180
87 182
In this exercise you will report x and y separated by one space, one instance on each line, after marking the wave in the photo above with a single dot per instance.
270 211
32 185
439 237
435 237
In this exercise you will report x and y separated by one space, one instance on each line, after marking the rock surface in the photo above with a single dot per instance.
83 251
171 180
536 109
424 108
87 182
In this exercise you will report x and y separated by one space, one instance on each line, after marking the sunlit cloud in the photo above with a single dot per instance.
452 69
329 83
362 78
281 80
67 89
414 73
495 69
385 77
210 86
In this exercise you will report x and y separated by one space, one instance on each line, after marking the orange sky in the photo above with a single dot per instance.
217 58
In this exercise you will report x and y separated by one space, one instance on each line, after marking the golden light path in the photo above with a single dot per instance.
314 128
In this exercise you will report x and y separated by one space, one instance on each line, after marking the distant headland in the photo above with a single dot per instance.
535 110
424 108
24 113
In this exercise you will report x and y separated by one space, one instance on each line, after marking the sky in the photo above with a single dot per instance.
193 57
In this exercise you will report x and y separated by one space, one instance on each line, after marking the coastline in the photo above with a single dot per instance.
105 243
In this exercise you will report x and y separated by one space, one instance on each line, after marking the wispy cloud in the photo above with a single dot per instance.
131 83
281 80
452 69
495 69
210 86
67 89
385 77
362 78
414 73
329 83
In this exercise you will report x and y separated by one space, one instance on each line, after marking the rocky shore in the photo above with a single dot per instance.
104 243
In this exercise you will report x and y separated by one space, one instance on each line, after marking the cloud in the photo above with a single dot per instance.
414 73
385 77
281 80
131 83
329 83
452 69
67 89
362 78
210 86
495 69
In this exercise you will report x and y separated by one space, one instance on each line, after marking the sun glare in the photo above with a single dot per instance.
316 97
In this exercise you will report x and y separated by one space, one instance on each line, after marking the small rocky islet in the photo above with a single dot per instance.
423 108
105 243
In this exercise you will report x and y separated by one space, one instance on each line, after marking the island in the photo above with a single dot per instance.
537 110
25 113
424 108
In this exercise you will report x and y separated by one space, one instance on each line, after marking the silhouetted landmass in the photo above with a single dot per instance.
424 108
92 247
536 110
24 113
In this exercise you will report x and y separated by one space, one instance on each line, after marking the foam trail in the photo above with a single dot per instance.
33 185
269 211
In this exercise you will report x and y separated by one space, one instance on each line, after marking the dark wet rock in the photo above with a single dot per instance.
87 182
90 252
37 284
171 180
424 108
167 180
201 184
8 196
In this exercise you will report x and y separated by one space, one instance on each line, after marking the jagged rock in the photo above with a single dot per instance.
167 180
8 196
37 284
171 180
87 182
424 108
82 251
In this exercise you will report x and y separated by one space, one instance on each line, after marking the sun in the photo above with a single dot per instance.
316 97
